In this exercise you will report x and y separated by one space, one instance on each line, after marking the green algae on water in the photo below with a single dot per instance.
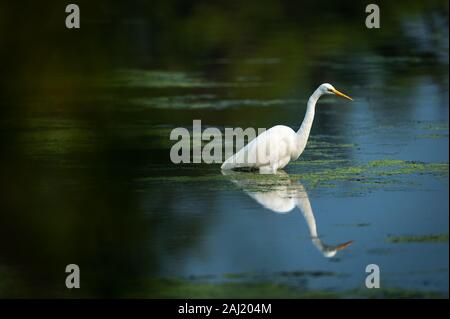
372 175
204 101
433 238
433 136
161 79
155 79
180 288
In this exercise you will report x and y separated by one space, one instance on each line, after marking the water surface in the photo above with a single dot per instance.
87 178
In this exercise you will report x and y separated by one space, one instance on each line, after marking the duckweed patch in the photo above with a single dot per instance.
355 225
434 126
205 101
155 79
59 141
358 178
133 78
373 173
379 251
179 288
253 276
433 136
396 167
433 238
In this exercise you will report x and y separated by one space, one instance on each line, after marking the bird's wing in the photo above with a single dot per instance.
251 155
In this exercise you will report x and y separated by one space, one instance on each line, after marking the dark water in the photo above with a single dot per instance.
87 178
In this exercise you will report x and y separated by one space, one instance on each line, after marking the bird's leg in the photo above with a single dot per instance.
273 162
268 169
273 169
272 166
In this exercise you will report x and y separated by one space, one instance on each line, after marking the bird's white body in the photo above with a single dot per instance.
276 147
270 151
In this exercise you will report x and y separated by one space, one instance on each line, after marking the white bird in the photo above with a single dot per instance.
275 148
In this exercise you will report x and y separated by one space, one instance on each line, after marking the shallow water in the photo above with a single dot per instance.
88 180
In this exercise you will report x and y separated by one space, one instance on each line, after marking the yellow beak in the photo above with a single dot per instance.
344 245
341 94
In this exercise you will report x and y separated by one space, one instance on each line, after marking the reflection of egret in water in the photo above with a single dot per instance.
280 194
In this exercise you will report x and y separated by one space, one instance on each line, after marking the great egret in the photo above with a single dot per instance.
282 196
275 148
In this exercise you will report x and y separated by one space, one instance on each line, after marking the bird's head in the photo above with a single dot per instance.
327 88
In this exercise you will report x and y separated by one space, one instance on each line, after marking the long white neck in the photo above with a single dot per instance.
305 128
